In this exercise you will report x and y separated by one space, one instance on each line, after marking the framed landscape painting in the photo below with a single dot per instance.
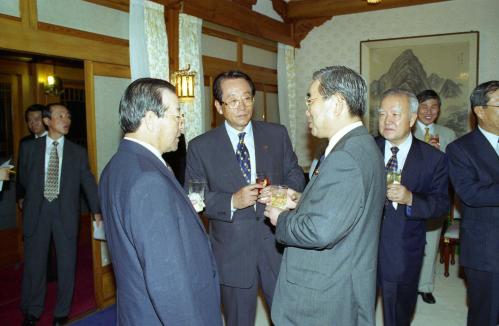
446 63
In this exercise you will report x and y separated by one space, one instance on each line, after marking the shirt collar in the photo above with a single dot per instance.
49 141
492 138
149 147
340 134
404 147
235 133
421 125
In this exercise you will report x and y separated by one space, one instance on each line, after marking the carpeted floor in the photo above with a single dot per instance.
83 299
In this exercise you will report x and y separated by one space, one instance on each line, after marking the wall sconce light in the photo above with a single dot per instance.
373 1
53 86
184 83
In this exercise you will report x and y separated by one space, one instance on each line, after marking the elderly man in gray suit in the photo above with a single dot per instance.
427 130
328 270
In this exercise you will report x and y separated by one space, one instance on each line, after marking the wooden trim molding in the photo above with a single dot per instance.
122 5
29 13
90 116
82 34
16 38
233 15
110 70
12 18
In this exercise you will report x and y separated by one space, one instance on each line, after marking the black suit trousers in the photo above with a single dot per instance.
36 249
483 295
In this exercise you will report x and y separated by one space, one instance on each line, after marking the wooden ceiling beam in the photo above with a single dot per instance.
303 9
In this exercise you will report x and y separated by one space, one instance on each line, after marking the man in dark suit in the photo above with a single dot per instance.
162 260
229 158
474 173
328 272
53 171
33 118
420 194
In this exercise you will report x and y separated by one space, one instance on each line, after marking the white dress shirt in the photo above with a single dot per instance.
249 141
340 134
150 148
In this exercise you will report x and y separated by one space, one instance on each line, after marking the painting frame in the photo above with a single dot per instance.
447 63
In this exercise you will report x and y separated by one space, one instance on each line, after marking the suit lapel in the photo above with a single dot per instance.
146 154
261 149
66 166
488 153
409 174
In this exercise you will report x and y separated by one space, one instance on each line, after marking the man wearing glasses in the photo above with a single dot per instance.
229 158
474 173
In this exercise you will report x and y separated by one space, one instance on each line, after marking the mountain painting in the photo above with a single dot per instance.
448 66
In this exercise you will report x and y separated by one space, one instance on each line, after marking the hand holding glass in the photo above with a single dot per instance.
278 196
393 177
196 193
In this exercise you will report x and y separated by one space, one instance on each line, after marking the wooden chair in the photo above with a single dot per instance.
448 242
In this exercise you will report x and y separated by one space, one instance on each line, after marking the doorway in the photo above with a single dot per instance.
22 83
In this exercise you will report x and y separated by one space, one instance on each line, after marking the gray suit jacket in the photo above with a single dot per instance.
446 135
328 271
237 241
75 175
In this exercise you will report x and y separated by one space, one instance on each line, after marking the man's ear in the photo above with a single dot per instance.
478 111
414 117
218 106
46 121
149 120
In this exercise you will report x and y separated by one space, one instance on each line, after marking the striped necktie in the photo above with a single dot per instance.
427 136
51 190
243 158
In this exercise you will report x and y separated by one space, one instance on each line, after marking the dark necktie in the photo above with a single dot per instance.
51 190
243 158
392 164
316 170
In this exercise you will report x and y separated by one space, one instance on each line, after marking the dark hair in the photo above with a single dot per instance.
411 98
33 108
343 81
481 93
142 95
428 94
232 74
47 109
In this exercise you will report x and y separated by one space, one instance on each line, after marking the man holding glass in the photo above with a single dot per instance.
164 267
328 272
427 130
419 194
229 158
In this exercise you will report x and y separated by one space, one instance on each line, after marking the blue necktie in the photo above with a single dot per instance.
243 158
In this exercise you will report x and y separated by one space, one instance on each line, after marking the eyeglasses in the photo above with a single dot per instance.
235 103
179 117
492 106
309 101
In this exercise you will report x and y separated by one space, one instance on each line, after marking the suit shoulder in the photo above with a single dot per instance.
207 138
428 150
269 126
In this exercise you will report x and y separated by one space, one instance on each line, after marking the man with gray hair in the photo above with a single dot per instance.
331 233
417 190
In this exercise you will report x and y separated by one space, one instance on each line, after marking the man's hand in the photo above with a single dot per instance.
98 219
265 195
399 194
246 196
434 142
272 213
292 199
20 202
4 174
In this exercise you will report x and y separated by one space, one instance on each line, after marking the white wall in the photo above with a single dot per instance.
337 42
10 8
